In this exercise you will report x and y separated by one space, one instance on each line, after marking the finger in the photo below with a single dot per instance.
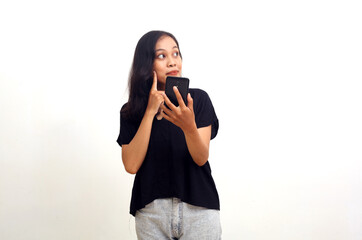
160 108
165 116
181 102
166 110
159 115
168 102
154 84
190 102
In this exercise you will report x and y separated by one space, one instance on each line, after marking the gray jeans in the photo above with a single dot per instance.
170 218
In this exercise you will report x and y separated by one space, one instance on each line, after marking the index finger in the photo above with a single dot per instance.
180 100
168 102
154 84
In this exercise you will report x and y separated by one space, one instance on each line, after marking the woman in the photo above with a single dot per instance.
167 147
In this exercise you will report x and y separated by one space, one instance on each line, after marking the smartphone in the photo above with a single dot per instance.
182 85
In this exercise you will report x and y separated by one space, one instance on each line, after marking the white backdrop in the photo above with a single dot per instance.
285 80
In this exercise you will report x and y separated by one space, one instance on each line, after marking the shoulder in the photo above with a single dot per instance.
123 110
202 101
204 111
198 94
124 107
126 116
197 91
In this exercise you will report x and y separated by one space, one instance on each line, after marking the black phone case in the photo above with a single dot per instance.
182 85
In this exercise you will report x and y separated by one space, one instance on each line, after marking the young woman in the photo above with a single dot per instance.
167 147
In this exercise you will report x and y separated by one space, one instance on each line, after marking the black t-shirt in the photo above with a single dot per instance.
168 169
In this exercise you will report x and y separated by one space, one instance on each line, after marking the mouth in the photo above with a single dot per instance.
172 73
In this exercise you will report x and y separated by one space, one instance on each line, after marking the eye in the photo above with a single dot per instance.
175 54
161 56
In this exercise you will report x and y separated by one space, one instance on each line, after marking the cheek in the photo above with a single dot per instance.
160 74
179 64
158 67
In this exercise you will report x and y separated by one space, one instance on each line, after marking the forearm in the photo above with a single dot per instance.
134 153
197 146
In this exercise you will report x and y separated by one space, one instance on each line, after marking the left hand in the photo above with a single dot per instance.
182 116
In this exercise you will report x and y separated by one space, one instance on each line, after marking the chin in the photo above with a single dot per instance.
175 75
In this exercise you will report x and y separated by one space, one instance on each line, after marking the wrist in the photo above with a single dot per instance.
149 114
191 130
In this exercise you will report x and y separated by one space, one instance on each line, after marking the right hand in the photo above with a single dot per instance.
155 99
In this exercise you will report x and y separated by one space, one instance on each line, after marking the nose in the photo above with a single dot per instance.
171 62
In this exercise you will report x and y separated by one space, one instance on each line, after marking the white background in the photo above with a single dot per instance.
285 80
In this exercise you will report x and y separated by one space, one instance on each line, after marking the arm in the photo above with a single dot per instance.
197 140
134 153
198 143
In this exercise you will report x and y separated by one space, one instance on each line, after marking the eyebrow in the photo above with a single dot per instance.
161 49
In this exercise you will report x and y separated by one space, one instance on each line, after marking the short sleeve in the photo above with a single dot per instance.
127 130
204 112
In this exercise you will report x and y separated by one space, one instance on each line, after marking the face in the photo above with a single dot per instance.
167 60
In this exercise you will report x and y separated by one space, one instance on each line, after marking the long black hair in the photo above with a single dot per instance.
141 75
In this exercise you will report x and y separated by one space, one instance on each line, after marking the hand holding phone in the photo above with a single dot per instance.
182 85
182 116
